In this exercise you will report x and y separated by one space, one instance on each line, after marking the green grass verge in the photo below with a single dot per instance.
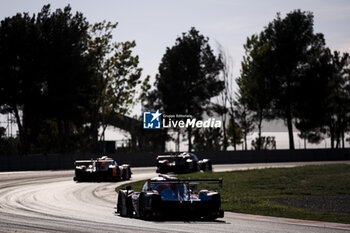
247 191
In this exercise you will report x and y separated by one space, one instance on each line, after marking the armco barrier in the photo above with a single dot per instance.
66 161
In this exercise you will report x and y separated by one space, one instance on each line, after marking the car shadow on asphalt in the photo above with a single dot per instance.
180 221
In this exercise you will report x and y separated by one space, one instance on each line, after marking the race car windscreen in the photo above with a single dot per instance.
169 192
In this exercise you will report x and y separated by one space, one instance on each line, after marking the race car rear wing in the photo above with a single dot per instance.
168 156
93 160
188 182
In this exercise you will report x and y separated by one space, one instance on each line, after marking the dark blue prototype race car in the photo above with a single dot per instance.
165 196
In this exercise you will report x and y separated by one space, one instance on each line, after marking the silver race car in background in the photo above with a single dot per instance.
182 163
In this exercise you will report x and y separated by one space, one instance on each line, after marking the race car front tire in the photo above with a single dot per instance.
207 167
124 205
126 174
162 170
144 213
119 202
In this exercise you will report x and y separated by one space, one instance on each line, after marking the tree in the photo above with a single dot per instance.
325 109
223 106
234 133
188 77
116 74
8 145
311 106
44 72
65 75
266 143
338 99
16 68
287 44
57 77
154 140
208 139
254 84
244 118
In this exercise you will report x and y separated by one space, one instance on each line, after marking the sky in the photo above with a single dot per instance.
155 24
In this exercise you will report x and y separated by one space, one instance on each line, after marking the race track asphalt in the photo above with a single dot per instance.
49 201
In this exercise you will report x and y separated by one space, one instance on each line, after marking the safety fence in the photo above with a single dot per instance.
66 161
